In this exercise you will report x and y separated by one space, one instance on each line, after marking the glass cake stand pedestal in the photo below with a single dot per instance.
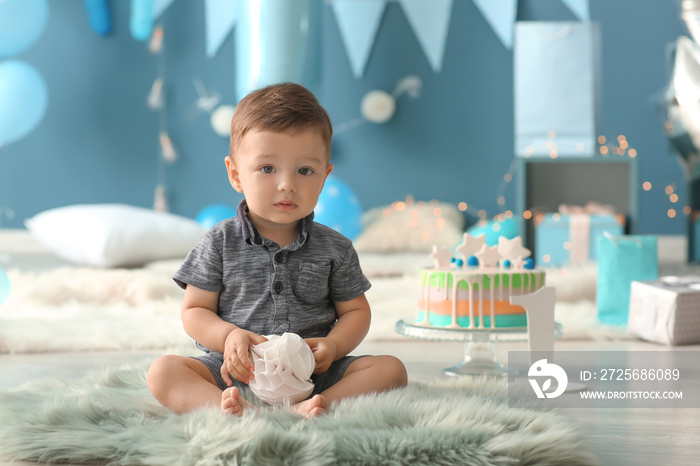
479 354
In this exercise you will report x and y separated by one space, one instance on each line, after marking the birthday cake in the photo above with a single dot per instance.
474 291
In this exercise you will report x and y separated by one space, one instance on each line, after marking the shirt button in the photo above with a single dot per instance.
279 259
278 287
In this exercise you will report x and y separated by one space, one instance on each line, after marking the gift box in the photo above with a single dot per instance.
666 310
570 239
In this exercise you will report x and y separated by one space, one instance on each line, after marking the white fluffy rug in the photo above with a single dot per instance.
82 309
110 417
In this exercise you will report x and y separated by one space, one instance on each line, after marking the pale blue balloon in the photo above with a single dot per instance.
21 24
508 228
4 286
23 100
277 41
215 213
339 208
141 20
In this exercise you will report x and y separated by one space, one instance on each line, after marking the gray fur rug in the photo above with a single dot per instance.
110 417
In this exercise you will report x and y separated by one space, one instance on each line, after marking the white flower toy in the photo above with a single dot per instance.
283 368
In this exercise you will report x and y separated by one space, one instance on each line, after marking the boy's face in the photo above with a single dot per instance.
280 174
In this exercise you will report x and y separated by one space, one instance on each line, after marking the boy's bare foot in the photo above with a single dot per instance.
233 403
315 406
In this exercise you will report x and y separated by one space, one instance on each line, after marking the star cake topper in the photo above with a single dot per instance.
488 256
442 256
470 245
511 249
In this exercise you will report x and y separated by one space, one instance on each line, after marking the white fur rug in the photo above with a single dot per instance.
83 309
110 417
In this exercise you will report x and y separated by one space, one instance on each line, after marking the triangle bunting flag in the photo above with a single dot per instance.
159 7
430 22
220 17
358 23
501 15
579 8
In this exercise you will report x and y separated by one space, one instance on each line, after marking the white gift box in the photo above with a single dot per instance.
666 310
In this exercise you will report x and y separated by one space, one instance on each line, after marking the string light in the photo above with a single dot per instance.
646 186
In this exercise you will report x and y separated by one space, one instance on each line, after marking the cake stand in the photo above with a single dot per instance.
479 354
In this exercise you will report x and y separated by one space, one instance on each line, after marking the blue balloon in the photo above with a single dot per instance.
339 208
4 286
23 100
507 228
98 16
21 24
215 213
277 41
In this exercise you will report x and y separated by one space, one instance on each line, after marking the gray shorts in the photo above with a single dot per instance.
322 382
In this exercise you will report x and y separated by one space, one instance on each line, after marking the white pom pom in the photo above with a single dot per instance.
221 120
378 106
283 368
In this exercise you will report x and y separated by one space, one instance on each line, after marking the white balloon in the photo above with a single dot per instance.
690 13
221 120
686 80
378 106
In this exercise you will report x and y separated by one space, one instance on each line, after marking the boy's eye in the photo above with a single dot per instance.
267 169
305 171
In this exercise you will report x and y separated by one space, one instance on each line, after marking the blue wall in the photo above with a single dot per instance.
98 140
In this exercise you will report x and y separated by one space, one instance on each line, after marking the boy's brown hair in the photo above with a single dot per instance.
280 108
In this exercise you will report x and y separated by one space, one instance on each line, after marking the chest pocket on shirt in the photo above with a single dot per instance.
312 285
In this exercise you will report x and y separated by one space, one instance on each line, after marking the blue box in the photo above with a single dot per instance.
552 236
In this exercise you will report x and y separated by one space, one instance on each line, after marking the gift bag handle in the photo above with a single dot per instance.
615 239
551 37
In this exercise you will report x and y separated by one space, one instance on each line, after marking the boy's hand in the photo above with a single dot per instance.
325 350
237 355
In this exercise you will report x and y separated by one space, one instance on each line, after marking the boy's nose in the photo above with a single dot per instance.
286 184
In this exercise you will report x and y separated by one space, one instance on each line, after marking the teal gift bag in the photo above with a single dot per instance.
622 260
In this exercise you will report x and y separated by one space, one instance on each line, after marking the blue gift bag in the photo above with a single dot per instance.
557 88
622 260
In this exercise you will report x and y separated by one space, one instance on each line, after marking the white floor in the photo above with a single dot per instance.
619 436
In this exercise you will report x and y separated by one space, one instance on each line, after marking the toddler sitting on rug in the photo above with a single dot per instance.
272 269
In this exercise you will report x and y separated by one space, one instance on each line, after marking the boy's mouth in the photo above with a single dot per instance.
286 205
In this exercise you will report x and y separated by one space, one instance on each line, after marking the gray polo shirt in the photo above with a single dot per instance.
269 290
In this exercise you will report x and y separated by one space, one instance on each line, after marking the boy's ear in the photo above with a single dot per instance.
233 175
329 169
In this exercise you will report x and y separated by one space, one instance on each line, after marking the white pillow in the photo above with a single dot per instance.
410 228
114 235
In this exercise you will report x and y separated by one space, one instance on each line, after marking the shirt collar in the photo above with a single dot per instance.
251 235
